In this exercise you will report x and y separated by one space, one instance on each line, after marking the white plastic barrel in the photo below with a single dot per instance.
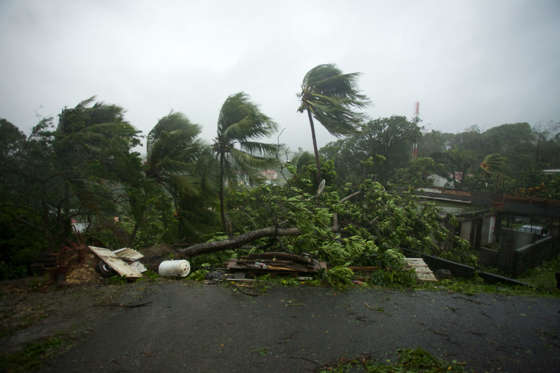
174 268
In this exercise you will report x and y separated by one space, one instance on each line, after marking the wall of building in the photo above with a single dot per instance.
466 228
487 231
533 254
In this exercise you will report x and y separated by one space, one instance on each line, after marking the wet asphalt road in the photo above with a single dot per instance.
196 328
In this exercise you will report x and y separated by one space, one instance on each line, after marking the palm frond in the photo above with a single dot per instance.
240 119
174 125
259 148
493 163
333 98
246 161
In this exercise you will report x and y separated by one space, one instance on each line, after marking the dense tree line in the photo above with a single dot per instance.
82 177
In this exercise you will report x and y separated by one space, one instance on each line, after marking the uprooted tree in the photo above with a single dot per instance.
367 227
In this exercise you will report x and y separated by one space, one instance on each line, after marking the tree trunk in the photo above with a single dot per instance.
317 161
133 234
222 207
236 242
232 243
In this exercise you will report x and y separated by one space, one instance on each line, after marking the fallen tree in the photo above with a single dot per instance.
373 227
242 239
236 242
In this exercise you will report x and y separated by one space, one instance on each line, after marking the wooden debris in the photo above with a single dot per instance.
276 262
115 262
423 272
138 266
128 254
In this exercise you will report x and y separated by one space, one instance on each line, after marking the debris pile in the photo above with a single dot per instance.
423 272
123 261
84 272
276 262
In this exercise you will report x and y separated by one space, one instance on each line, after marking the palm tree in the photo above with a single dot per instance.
172 148
181 164
239 124
494 165
332 98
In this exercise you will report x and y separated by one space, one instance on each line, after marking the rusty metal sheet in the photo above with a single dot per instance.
116 263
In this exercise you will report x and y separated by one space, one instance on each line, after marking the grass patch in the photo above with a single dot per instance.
33 354
477 286
543 277
409 360
149 275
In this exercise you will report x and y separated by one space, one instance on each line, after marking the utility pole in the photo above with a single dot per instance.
415 120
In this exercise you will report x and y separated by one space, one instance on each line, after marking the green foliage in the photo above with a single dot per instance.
339 277
240 123
332 98
20 243
403 277
177 198
520 155
199 274
543 276
149 275
416 173
477 285
116 280
72 171
376 152
376 225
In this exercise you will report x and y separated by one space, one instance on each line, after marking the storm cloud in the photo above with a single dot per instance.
467 62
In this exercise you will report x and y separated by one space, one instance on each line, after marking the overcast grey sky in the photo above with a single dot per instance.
467 62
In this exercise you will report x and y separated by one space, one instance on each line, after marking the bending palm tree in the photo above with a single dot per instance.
332 98
172 149
180 163
494 165
239 123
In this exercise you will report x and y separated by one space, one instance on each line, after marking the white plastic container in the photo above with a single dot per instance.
174 268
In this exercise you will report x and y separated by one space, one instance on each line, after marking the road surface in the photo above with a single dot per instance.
208 328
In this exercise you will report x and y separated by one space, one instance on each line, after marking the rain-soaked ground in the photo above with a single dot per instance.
188 327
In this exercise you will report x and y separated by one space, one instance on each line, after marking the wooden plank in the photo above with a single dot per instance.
423 272
128 254
116 263
234 264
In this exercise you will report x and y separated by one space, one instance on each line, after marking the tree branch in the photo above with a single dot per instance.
239 241
235 242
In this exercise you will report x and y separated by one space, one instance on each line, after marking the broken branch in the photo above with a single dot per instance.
235 242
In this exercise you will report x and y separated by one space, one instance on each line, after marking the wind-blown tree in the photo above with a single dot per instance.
241 123
380 148
178 162
74 170
94 159
494 165
333 99
172 148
